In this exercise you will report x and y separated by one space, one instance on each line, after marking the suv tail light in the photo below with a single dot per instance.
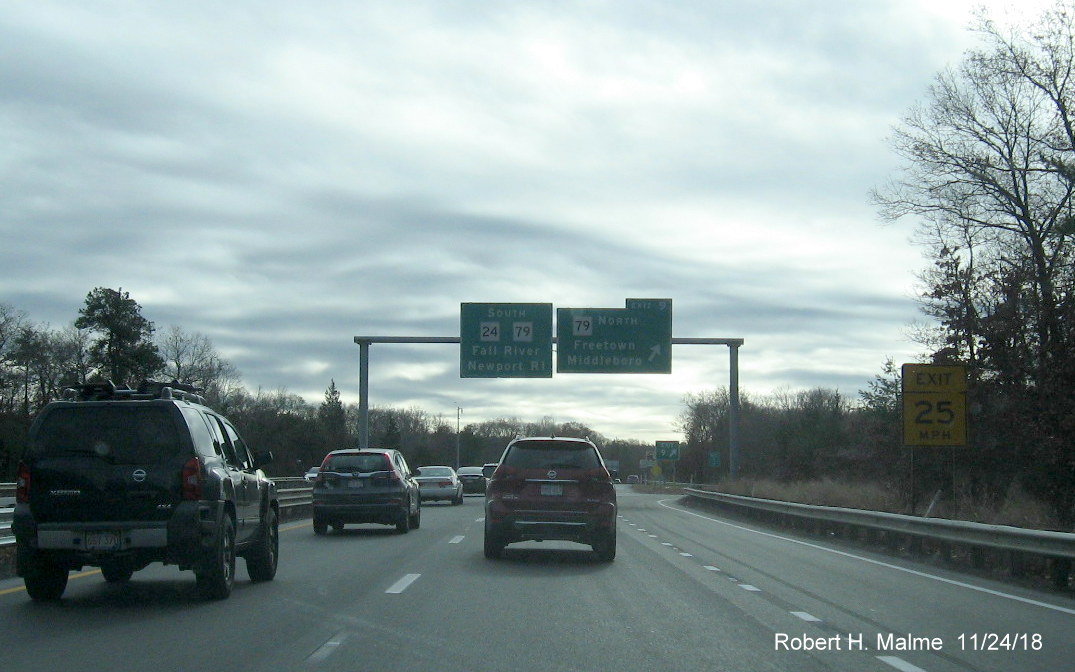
599 474
22 484
191 480
504 471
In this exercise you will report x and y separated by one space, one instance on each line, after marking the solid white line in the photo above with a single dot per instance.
900 664
456 540
402 584
806 617
887 565
328 648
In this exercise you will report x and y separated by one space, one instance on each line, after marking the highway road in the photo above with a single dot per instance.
688 591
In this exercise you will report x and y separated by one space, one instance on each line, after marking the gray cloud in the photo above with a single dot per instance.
282 179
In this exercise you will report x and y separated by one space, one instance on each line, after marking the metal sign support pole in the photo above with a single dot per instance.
733 392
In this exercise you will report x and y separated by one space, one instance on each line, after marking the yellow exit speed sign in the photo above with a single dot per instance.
934 405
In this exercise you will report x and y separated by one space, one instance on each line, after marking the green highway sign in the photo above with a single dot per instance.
667 450
505 340
635 339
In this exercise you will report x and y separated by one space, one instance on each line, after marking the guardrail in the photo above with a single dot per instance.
294 493
909 532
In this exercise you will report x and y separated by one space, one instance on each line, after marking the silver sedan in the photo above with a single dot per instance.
439 483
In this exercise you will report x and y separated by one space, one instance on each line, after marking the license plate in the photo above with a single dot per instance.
356 483
101 541
552 489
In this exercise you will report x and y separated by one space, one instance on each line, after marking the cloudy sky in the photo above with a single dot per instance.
282 177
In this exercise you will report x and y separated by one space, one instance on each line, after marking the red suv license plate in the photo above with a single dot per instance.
552 489
101 541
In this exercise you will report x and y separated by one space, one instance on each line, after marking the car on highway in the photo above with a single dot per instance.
438 483
488 469
366 486
473 480
549 488
119 478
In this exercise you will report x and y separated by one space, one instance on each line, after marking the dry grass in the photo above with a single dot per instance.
1016 509
825 492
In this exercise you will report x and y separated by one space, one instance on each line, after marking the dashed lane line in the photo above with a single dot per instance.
402 585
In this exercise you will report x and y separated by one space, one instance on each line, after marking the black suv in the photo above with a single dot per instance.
366 486
120 478
551 488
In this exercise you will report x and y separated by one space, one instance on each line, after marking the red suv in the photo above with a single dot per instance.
551 488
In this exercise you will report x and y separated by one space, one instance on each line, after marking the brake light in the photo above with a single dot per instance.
191 480
599 474
22 484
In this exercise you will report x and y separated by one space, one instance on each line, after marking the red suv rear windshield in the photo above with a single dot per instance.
551 454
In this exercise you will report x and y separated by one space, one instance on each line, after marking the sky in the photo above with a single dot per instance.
282 177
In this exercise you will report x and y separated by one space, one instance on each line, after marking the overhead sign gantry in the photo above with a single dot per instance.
515 340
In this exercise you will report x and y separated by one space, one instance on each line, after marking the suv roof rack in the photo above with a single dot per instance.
105 390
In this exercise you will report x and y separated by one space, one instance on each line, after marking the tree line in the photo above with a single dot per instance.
112 340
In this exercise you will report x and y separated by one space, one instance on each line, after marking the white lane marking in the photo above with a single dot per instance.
480 520
665 543
914 572
456 540
402 584
328 648
711 568
900 664
686 555
747 586
806 617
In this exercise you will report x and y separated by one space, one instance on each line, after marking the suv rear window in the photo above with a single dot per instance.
551 454
120 435
357 463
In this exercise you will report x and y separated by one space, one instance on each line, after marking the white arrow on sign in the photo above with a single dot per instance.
654 352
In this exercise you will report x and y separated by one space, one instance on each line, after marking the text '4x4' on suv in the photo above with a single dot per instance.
120 478
551 488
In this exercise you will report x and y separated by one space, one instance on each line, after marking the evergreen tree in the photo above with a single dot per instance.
124 351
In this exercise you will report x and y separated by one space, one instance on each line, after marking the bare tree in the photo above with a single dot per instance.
990 172
191 358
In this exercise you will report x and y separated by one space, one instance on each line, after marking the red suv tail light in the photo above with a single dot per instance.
504 471
191 480
598 474
22 484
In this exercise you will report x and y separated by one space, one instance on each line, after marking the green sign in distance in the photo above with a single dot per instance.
667 450
635 339
505 340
